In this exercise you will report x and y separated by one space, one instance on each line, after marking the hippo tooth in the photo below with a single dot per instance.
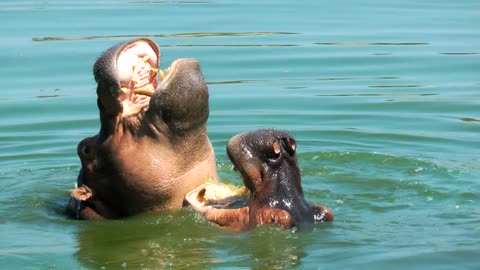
154 70
124 89
145 58
162 74
145 92
201 195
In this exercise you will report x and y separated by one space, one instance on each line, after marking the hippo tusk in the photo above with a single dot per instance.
164 73
145 92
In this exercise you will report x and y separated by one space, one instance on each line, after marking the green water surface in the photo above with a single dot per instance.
383 98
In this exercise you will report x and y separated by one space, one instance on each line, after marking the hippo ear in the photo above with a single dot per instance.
293 144
290 145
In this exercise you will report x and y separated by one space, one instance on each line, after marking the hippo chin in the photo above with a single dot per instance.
152 147
266 161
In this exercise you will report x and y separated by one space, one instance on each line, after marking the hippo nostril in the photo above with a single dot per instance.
85 151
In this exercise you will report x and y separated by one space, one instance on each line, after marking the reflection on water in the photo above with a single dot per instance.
53 95
376 95
308 80
397 86
171 1
151 241
372 43
48 96
184 240
20 8
230 45
178 35
468 119
460 53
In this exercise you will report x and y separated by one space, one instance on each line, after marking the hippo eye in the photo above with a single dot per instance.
293 144
276 148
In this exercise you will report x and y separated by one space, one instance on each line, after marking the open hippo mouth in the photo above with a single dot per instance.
128 77
152 147
138 75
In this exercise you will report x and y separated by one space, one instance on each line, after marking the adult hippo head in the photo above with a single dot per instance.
152 147
267 163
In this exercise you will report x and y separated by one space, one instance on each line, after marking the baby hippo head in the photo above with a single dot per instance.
267 163
264 156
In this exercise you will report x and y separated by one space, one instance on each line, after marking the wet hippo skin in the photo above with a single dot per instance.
152 147
267 164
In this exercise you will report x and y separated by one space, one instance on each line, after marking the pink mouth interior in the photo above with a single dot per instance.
137 67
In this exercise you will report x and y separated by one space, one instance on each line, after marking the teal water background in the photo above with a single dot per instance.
383 98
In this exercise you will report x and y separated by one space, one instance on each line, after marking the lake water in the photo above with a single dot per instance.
383 98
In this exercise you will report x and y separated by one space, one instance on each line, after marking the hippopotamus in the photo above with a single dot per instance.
152 147
268 166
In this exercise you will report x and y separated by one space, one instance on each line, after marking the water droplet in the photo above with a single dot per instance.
418 169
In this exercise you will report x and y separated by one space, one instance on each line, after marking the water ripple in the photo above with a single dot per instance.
178 35
373 43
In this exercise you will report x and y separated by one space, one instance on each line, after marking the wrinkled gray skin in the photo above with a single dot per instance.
150 151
